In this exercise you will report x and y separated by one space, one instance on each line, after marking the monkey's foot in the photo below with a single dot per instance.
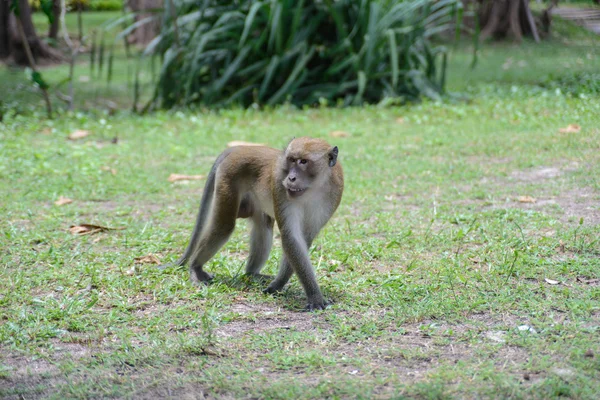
200 276
313 306
272 290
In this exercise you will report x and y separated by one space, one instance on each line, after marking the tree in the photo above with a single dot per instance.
12 42
502 18
55 23
4 29
144 9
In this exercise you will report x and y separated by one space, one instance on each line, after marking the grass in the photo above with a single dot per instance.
444 282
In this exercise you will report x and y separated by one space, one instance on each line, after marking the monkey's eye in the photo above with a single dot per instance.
303 161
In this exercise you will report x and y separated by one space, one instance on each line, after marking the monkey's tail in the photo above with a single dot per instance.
207 197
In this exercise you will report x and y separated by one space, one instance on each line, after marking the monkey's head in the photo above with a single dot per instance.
306 163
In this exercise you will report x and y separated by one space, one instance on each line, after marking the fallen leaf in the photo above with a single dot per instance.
109 169
148 259
63 200
179 177
526 328
79 134
496 336
571 128
561 246
400 120
242 143
339 134
588 281
89 229
526 199
551 281
130 271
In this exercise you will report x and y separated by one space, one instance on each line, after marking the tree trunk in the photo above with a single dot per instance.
56 9
40 50
4 30
502 18
149 31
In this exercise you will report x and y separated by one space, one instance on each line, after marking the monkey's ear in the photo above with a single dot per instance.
333 153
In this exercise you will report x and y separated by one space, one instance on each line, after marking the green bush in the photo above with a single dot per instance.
576 83
305 52
88 5
105 5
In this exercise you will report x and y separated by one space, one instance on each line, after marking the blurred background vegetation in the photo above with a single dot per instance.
147 54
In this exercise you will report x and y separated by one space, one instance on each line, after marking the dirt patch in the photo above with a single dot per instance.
264 318
536 175
568 206
36 377
572 205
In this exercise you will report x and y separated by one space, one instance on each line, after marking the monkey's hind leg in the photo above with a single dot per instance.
261 240
218 230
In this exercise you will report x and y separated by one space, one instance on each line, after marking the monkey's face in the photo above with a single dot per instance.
306 164
299 174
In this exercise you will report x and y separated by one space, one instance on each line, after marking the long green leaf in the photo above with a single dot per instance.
393 56
249 22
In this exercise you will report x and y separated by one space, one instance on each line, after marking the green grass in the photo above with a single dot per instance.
432 261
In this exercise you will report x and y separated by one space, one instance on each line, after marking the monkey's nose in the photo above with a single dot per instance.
292 178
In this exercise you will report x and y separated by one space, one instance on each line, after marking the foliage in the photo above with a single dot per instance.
105 5
575 83
270 52
88 5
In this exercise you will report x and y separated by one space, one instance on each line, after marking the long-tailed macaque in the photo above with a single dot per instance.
300 188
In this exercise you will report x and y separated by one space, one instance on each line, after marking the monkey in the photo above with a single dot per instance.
299 188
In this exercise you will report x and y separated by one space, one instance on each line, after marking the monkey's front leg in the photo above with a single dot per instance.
295 248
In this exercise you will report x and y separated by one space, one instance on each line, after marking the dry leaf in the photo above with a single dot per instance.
339 134
571 128
109 169
79 134
242 143
179 177
148 259
526 199
89 229
400 120
588 281
130 271
551 281
561 246
63 200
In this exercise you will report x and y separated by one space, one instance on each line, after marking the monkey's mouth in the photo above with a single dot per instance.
295 192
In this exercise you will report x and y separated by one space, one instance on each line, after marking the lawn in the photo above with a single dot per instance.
463 262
